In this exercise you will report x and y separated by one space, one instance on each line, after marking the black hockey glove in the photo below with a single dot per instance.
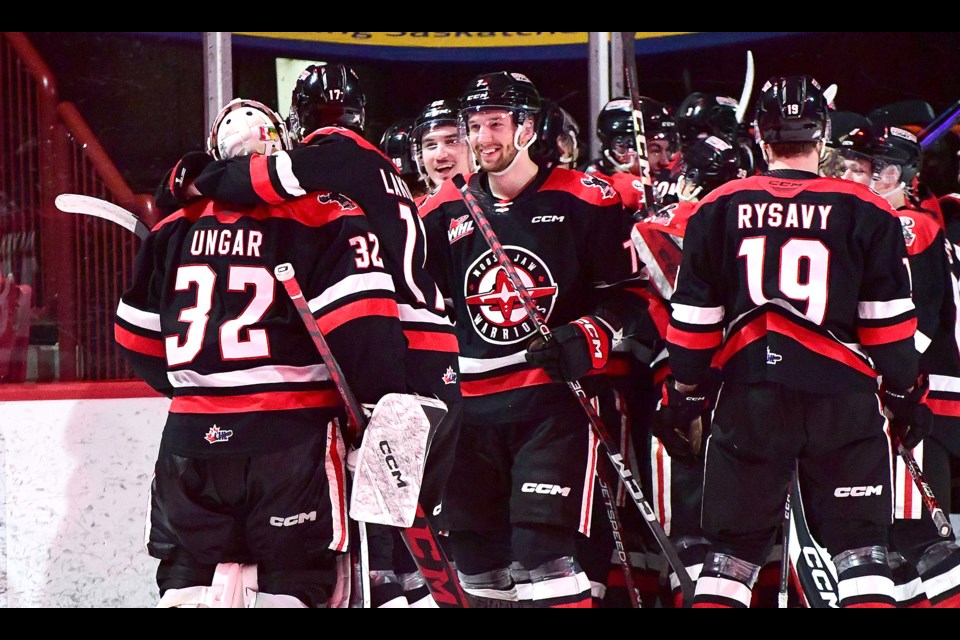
575 349
682 421
185 172
910 418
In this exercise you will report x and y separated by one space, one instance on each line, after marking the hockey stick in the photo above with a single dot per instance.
616 458
420 538
940 520
628 40
622 556
783 595
744 103
941 125
815 573
90 206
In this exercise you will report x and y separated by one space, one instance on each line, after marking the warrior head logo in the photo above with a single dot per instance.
597 183
908 235
329 198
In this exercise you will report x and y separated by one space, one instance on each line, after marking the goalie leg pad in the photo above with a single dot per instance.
225 592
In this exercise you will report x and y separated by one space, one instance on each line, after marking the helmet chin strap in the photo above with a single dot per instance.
622 168
520 149
894 191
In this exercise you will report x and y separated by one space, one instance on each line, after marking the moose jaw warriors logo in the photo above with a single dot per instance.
496 308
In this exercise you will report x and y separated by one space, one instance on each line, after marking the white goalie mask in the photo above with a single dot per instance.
244 127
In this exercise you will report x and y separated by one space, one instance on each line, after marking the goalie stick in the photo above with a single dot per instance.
610 447
90 206
420 538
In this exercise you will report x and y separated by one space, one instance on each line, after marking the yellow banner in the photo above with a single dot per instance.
446 39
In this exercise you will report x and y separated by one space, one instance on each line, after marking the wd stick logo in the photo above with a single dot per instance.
545 489
496 308
346 204
597 183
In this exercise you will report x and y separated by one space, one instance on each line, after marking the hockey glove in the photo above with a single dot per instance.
185 172
682 421
574 350
910 418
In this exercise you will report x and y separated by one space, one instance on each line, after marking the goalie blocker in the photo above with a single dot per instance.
391 458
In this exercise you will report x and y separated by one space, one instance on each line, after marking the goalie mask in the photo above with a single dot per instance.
327 95
245 127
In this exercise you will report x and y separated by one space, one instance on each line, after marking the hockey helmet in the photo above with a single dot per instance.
513 92
556 124
897 146
701 115
327 95
711 162
395 144
792 109
244 127
616 121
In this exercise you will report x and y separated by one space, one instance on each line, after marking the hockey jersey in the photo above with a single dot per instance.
791 278
569 239
206 323
337 159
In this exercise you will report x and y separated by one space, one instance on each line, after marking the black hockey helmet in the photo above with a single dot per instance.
897 146
501 90
616 120
395 144
438 113
792 109
701 115
327 95
711 162
859 143
556 122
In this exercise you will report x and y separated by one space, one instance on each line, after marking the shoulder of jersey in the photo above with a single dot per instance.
591 188
190 212
447 192
339 135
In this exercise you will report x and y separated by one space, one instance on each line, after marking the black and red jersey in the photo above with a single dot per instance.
568 236
206 322
339 160
792 278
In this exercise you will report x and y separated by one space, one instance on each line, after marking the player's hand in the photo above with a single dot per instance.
185 172
682 420
573 351
910 418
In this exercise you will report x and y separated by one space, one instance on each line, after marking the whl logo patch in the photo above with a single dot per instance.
216 434
460 228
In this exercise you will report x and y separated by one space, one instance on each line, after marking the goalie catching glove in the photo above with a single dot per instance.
910 418
574 349
682 421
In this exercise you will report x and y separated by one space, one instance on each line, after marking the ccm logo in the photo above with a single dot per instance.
822 579
545 489
537 219
594 337
858 492
391 463
293 520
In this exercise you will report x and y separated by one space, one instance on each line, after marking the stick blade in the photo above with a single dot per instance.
98 208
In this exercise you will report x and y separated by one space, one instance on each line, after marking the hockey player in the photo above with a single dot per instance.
248 502
795 287
618 161
439 148
328 115
526 454
395 144
897 157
